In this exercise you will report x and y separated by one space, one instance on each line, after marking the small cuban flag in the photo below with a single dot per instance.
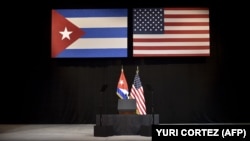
122 87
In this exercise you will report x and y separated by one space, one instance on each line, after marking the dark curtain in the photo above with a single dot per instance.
37 89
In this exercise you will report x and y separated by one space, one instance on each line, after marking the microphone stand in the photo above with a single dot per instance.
101 105
152 102
152 106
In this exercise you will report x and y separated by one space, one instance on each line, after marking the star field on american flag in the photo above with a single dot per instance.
149 20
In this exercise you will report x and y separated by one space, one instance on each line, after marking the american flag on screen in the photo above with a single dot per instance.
137 93
171 32
89 33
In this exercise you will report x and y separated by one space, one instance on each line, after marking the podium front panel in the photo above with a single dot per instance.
127 124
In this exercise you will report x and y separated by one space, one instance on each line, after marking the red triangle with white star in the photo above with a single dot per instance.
63 33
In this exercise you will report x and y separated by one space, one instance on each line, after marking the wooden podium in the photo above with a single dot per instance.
126 106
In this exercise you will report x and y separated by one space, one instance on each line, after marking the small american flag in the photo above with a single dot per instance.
171 32
137 93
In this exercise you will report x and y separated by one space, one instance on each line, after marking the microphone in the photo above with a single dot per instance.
104 87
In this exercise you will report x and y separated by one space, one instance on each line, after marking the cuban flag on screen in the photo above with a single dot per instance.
89 33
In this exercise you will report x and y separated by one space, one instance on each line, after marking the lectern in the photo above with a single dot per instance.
126 106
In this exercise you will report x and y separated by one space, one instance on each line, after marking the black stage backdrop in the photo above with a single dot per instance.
37 89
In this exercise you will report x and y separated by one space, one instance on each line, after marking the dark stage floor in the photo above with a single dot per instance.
58 132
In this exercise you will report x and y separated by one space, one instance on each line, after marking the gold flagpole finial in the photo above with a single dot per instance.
122 67
137 69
